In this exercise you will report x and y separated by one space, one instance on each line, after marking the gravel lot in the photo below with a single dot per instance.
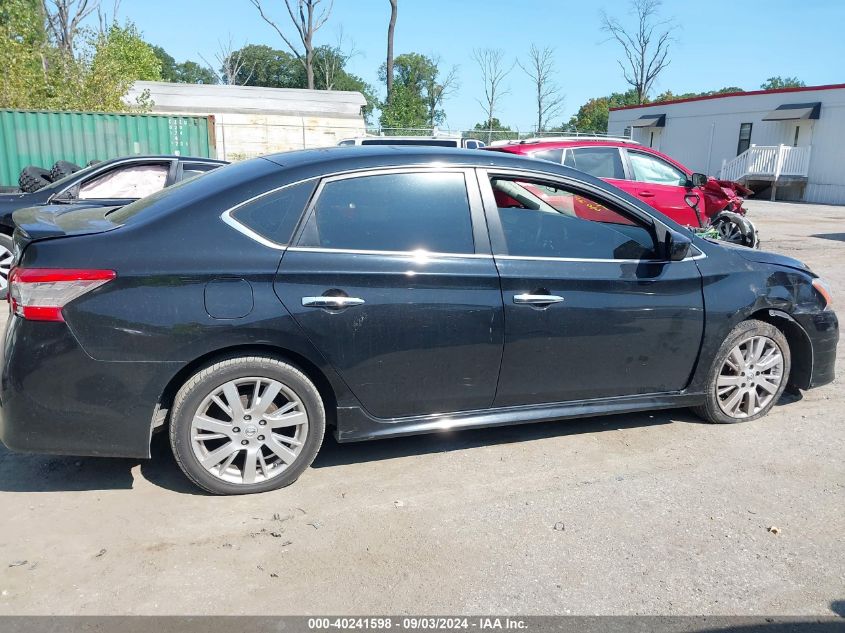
634 514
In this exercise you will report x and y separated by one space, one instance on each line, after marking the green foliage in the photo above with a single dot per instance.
23 50
495 130
38 75
262 65
670 96
418 93
773 83
593 115
169 70
188 72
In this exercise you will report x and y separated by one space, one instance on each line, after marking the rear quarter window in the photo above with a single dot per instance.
274 215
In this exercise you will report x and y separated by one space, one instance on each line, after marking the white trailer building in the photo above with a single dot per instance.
788 143
250 121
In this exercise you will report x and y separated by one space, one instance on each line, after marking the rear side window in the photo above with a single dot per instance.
554 155
274 216
192 170
601 162
393 212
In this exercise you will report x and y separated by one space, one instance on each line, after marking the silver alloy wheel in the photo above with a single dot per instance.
750 377
249 430
730 232
6 259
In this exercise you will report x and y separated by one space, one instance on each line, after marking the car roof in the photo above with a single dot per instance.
145 157
524 148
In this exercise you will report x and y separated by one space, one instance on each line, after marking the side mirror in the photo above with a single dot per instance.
677 246
698 180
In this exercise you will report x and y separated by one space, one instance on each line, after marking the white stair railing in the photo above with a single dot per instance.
767 161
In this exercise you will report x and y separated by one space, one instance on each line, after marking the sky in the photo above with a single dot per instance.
718 43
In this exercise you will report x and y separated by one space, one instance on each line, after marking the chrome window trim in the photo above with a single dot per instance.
411 254
239 226
600 261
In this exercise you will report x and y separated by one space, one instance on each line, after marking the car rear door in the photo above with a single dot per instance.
663 186
392 279
605 162
590 309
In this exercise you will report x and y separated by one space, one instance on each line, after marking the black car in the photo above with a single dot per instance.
383 292
113 182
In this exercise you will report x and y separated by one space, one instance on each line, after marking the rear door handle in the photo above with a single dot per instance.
537 300
331 302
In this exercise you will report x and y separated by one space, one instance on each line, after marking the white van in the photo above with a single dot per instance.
437 141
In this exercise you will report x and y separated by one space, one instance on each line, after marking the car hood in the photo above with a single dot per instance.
765 257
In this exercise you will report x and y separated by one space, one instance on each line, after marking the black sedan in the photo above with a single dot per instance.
383 292
113 182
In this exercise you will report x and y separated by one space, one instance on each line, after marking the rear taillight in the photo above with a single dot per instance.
39 294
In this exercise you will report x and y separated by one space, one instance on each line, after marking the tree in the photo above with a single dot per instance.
268 67
593 115
491 130
774 83
418 92
121 57
391 27
169 67
233 68
64 18
540 69
646 47
671 96
493 73
307 20
189 72
23 54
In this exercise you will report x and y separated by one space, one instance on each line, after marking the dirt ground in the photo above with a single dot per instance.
633 514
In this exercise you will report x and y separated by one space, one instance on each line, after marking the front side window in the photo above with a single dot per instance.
136 181
542 220
393 212
648 168
274 216
601 162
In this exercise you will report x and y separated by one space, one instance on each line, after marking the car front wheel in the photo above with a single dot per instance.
748 376
246 425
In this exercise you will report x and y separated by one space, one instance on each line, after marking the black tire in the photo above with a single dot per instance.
33 178
735 229
7 249
711 411
63 168
201 385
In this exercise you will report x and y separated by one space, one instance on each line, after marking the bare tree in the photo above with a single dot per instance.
540 68
307 20
63 19
231 65
646 48
437 91
105 19
390 30
331 60
493 73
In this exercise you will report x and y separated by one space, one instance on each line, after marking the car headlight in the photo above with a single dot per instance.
823 288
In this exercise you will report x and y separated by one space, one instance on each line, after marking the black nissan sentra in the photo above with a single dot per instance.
380 292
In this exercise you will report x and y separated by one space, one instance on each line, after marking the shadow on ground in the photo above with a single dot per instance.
21 472
838 237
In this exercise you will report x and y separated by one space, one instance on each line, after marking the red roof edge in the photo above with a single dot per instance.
731 94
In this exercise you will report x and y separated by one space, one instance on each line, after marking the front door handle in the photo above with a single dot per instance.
537 300
331 302
646 194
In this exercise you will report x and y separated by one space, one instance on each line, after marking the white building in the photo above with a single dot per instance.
250 121
792 138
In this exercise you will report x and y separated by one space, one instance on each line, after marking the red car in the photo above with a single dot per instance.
689 198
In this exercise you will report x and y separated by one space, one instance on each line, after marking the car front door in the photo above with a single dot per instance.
392 279
663 186
591 311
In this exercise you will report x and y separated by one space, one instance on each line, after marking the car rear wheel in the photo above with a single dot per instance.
748 376
246 425
7 247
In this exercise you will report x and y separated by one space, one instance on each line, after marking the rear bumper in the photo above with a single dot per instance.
822 328
54 398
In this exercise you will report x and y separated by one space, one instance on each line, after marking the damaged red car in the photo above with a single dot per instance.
709 206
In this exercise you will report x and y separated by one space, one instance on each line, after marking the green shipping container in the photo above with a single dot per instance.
41 138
